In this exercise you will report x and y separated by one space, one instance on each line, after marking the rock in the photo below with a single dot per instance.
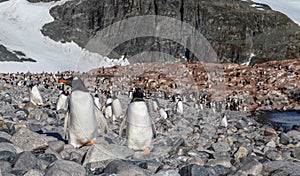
5 135
279 172
253 168
57 146
288 166
241 153
273 155
50 158
196 160
64 168
168 172
221 146
150 165
42 164
34 172
270 132
296 153
193 170
294 134
123 168
28 140
284 139
221 170
220 161
124 151
25 161
98 153
79 22
5 146
5 167
271 144
8 156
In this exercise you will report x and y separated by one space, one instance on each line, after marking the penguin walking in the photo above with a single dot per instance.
83 117
35 96
140 129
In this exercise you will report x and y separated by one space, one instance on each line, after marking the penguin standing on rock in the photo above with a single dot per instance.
140 129
83 117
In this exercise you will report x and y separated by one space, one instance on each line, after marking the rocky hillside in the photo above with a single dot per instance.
234 28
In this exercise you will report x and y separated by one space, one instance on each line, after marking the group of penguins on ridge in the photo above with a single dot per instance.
84 115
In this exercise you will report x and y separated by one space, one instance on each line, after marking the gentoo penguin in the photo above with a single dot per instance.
62 102
35 95
140 129
224 122
179 106
162 113
116 108
108 107
82 119
97 101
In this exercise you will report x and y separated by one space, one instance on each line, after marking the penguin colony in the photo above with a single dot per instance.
87 110
102 102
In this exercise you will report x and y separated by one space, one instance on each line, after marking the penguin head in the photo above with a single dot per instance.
138 95
75 82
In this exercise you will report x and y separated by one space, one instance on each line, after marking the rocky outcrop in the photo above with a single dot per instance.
16 56
235 29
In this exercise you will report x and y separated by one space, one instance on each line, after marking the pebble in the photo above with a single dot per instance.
192 143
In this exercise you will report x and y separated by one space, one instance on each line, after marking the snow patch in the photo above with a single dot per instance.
21 22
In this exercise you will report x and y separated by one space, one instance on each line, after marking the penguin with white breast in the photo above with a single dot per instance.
179 106
62 102
116 108
83 117
108 107
140 129
35 96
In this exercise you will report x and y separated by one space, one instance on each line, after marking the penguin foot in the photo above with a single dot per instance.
147 151
89 143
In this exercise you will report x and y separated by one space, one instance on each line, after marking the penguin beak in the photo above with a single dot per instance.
66 81
62 81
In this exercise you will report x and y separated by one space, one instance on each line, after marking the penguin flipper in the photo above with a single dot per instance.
101 119
66 125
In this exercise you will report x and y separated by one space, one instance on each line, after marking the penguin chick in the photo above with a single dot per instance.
140 129
82 119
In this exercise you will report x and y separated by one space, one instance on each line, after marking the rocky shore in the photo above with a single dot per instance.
200 141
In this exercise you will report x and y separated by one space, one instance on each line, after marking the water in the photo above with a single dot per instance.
285 119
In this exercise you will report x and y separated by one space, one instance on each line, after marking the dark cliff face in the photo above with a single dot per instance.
235 29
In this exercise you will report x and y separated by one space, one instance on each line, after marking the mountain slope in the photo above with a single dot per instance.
21 22
235 29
